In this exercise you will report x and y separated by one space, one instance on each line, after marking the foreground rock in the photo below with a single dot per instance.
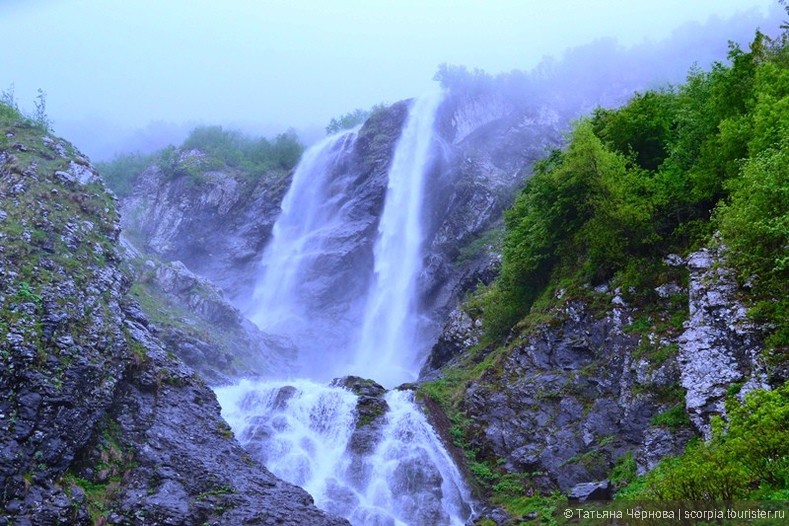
98 422
591 491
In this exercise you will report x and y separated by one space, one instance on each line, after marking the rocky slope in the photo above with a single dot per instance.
191 316
100 423
590 382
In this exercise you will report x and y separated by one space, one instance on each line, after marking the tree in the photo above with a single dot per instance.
347 121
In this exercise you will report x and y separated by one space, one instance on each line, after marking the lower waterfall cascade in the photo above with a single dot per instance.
389 468
395 472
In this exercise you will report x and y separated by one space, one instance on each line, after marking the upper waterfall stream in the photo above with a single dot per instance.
388 346
372 458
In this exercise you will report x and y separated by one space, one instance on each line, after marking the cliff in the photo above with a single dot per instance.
100 423
589 380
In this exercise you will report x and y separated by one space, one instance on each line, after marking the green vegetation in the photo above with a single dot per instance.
106 474
347 121
10 114
216 148
121 173
239 151
490 240
657 176
747 458
673 417
660 175
352 119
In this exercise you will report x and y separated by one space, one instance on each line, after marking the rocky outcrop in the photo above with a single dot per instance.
720 348
370 410
192 318
216 221
591 491
490 145
460 333
98 422
565 400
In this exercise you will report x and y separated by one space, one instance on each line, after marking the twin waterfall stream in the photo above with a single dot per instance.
394 469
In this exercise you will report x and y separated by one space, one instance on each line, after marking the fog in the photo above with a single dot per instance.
122 75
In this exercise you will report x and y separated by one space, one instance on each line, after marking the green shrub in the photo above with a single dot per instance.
673 418
748 459
755 229
624 470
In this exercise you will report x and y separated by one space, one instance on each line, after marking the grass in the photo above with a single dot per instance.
673 418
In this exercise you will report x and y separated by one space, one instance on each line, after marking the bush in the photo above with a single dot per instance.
122 171
240 151
749 459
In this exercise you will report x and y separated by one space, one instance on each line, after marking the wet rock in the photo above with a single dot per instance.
576 382
488 513
370 408
283 395
590 491
416 488
360 386
460 332
341 500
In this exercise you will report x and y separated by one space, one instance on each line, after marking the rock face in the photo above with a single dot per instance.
720 346
590 491
571 397
370 408
215 221
97 421
489 147
565 400
192 318
460 332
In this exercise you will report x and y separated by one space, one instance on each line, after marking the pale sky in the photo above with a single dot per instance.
293 63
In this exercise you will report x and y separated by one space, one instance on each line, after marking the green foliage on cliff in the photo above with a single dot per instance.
660 175
122 171
240 151
352 119
347 121
657 176
217 148
10 114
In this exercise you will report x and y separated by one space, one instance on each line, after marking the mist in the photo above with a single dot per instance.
123 76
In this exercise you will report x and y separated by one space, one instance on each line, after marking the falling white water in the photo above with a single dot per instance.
389 348
307 210
285 300
397 474
393 471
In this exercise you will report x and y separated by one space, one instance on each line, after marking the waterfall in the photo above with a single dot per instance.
284 296
388 472
296 236
389 348
387 467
